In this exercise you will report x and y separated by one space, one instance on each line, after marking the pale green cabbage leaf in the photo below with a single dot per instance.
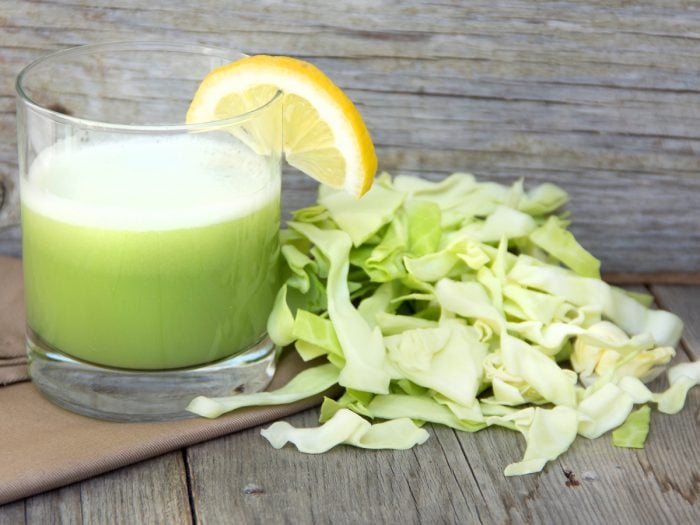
362 346
426 408
548 433
633 432
346 427
361 218
615 304
561 244
307 383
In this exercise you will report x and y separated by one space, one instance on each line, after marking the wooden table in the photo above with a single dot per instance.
600 97
453 478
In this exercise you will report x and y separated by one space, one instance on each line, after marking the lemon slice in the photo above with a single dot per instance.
324 134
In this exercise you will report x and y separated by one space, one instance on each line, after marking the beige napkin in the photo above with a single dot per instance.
43 446
13 360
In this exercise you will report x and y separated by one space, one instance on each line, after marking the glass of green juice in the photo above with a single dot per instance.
150 247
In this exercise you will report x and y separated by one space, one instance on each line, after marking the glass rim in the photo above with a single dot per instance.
153 45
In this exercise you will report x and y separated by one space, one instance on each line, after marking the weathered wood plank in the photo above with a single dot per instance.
615 485
602 99
659 484
241 479
58 506
682 278
454 477
12 514
10 241
153 491
685 301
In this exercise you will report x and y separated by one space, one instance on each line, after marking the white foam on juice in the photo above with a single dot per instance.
147 183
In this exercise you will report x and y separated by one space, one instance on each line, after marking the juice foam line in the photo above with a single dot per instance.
147 183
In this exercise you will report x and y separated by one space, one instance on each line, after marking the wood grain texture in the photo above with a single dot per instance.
151 492
685 301
12 514
256 484
10 241
453 478
682 278
616 485
62 506
600 97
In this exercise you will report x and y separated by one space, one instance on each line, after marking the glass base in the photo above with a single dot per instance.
144 395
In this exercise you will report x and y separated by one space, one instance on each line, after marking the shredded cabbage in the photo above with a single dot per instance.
633 432
464 304
307 383
348 428
548 433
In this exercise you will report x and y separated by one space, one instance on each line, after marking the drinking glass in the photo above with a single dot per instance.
150 246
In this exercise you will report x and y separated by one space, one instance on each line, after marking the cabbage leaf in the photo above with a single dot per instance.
307 383
633 432
346 427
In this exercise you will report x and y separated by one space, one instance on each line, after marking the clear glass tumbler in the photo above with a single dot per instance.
150 247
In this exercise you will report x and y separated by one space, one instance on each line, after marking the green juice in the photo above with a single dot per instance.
150 253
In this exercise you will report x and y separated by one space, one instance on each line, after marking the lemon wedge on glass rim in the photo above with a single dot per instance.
324 134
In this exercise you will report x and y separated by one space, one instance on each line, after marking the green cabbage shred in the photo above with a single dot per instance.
466 304
633 432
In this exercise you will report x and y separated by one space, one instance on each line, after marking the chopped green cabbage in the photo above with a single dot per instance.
464 304
561 244
604 409
548 433
362 346
348 428
633 432
307 383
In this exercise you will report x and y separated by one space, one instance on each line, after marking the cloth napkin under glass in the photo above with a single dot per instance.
43 446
